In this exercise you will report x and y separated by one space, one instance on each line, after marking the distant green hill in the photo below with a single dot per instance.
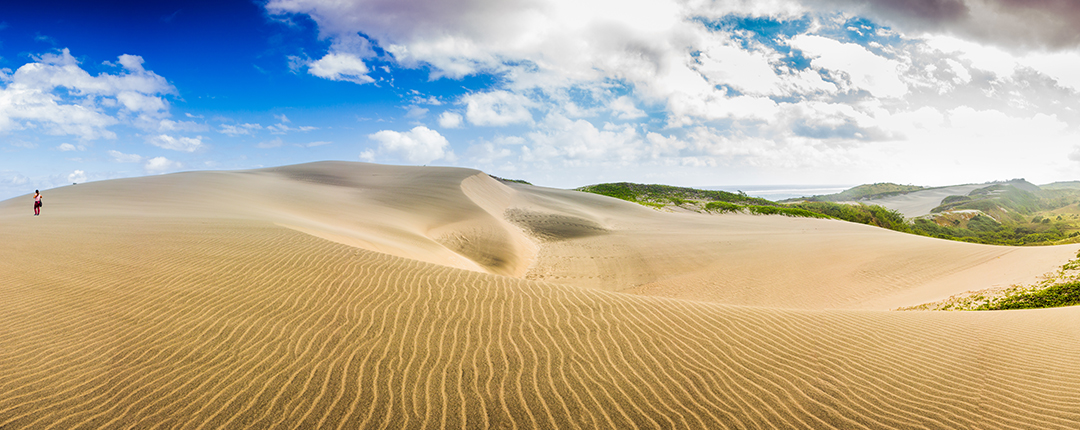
664 195
661 196
1012 200
1068 185
1014 212
866 192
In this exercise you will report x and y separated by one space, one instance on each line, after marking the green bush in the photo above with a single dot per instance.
1067 294
773 210
982 223
722 207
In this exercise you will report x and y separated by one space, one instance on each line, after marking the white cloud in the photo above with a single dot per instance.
963 76
65 147
33 96
864 69
723 62
161 165
77 176
168 125
420 145
341 67
563 68
121 157
450 120
560 137
624 108
1075 154
183 144
12 178
416 112
316 143
282 128
497 108
1063 67
239 130
989 58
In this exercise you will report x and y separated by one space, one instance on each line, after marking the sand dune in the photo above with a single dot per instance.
919 203
348 295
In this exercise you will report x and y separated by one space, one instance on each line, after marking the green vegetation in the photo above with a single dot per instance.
722 207
866 191
1051 297
513 181
1069 185
1004 213
1010 200
773 210
860 213
660 196
1035 217
663 195
1058 289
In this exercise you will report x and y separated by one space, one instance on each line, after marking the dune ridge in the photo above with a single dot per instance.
170 316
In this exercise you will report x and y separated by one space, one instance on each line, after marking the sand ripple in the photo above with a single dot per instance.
243 324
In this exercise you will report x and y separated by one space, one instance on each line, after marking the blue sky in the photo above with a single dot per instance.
559 93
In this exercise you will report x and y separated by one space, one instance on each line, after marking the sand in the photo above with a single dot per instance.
351 295
920 203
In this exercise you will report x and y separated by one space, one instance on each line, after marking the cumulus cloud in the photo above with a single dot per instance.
182 144
65 147
813 95
77 176
420 145
497 108
863 69
624 108
581 140
54 92
341 67
1053 24
161 165
450 120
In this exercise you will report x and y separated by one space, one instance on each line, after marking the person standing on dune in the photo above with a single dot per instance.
37 202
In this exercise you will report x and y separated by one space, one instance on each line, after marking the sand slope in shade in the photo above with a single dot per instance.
248 300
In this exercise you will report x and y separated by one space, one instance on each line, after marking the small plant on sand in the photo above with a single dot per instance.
1061 288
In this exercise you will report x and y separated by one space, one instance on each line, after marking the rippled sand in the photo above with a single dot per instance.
350 295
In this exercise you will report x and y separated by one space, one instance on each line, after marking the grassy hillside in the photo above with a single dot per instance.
666 195
661 196
1015 212
866 191
1006 213
1066 185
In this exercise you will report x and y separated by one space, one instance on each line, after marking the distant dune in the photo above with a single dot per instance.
919 203
350 295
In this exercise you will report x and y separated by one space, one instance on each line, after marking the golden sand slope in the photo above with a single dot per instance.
178 312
